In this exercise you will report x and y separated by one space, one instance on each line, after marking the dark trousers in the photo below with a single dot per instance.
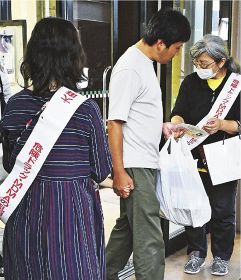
222 223
138 230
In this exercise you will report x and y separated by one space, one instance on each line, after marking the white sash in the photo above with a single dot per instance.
220 108
29 161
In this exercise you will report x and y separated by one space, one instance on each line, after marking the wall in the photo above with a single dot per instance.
25 9
236 31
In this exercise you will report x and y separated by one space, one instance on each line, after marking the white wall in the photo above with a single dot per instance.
236 31
25 9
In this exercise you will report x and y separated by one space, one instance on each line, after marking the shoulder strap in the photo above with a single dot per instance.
220 108
3 103
32 156
7 147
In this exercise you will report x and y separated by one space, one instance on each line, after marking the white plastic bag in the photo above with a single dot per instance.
224 160
180 190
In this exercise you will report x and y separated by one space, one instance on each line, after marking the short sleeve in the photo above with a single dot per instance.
100 159
124 89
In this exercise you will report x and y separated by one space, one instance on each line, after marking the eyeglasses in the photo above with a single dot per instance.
202 65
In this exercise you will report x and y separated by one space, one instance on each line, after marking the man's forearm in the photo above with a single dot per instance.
115 139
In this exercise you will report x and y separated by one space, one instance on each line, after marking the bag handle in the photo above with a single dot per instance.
239 128
171 144
169 147
239 131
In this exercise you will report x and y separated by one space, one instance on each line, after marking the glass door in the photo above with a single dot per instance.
93 20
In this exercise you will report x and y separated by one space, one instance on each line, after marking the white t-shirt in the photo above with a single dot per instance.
136 99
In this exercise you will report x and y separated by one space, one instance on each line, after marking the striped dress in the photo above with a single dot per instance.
57 231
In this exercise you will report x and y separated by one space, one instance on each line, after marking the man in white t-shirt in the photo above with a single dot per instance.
135 126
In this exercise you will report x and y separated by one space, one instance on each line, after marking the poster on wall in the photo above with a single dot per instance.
7 57
12 45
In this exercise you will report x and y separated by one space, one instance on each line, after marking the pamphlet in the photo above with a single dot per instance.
192 130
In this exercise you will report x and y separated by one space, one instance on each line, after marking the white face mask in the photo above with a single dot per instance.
205 74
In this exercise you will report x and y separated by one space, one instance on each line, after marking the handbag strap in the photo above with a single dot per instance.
32 156
2 100
239 127
30 121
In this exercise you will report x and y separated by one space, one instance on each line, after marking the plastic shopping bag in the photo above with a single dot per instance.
180 190
224 160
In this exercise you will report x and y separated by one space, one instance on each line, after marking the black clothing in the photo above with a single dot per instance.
194 102
222 223
2 100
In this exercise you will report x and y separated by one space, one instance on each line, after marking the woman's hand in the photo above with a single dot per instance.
213 125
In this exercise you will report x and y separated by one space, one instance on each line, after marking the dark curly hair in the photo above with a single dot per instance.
54 54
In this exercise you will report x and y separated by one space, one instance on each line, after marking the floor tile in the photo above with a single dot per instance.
174 263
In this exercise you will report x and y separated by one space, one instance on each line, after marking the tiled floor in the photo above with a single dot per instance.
174 263
110 205
174 266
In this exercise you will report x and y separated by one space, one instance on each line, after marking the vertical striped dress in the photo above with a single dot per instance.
56 232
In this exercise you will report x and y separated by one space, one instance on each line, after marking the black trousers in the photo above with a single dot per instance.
222 223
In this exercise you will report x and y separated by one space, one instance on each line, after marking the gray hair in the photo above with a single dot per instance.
217 49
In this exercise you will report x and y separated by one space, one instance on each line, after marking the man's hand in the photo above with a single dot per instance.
170 129
122 184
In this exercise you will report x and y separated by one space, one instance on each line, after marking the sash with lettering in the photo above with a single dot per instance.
220 108
29 161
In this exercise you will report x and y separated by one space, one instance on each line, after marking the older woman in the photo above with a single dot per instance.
196 97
